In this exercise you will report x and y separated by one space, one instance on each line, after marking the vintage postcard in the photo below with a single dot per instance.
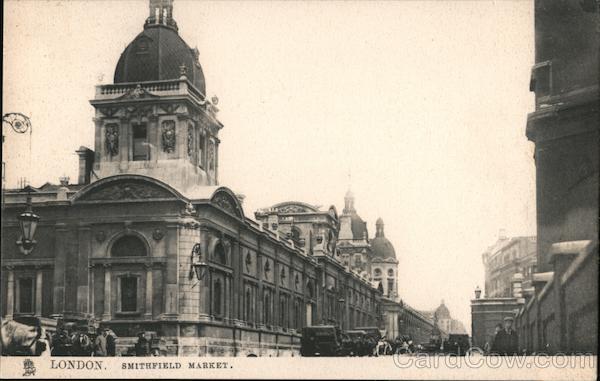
300 189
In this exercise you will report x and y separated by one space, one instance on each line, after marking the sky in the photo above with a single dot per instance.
418 106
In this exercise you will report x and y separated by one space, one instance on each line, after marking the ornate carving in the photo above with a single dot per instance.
137 92
112 139
109 111
189 210
248 261
168 136
100 236
224 202
267 269
138 112
282 275
292 209
157 234
127 190
169 108
190 140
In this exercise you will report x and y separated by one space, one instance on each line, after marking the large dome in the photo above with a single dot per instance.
381 246
159 53
442 311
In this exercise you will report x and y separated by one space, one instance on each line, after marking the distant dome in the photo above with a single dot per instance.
159 53
381 246
442 312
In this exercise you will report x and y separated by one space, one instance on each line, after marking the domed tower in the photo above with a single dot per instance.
353 247
155 119
384 263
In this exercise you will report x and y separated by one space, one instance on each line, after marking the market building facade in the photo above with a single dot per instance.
148 240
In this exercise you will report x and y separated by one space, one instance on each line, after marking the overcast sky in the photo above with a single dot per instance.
419 106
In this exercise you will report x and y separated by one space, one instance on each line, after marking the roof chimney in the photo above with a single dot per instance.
502 234
86 160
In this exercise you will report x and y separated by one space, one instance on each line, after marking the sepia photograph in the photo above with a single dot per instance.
300 189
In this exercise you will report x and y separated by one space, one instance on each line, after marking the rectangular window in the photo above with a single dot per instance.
140 142
129 292
26 289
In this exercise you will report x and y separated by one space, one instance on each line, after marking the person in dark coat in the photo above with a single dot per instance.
506 341
111 344
142 347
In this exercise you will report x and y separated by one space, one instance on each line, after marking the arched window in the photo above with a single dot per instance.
219 254
377 273
128 246
217 297
390 273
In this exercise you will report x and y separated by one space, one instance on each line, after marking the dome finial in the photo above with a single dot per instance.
379 228
349 202
161 12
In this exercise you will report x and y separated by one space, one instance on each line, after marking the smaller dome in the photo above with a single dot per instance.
382 248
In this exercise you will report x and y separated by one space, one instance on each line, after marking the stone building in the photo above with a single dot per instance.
384 263
562 312
510 265
375 258
505 258
149 240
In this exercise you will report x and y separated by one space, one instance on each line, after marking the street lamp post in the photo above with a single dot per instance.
28 221
20 123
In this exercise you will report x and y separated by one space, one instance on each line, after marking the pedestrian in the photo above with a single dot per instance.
142 347
506 341
111 344
100 343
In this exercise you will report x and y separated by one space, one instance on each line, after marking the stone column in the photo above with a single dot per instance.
10 294
107 314
148 310
99 142
83 259
227 297
60 267
91 288
260 316
153 136
171 308
204 285
38 292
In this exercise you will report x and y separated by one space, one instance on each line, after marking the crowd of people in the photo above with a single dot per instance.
69 340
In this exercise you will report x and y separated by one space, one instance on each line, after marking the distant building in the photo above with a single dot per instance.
373 258
505 258
444 321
